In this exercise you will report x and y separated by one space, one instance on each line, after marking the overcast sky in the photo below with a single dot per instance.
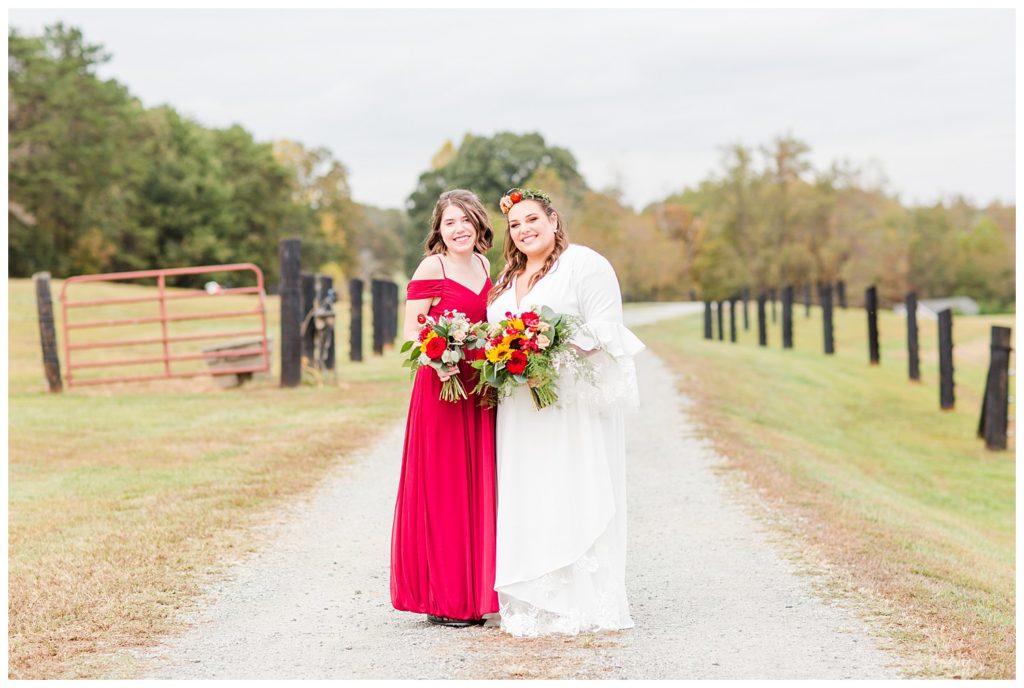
643 99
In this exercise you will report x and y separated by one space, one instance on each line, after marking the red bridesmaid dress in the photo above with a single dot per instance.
442 541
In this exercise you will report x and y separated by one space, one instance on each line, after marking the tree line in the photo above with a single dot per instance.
97 182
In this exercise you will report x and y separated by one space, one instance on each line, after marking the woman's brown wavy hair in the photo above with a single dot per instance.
515 260
474 210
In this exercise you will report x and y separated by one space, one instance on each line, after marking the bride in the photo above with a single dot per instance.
561 524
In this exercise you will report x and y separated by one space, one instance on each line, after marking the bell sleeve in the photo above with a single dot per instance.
602 329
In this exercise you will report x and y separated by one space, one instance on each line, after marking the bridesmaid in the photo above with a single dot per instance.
442 541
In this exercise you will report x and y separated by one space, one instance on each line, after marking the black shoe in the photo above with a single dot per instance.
457 623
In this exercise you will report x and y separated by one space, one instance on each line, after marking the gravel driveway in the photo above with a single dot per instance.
711 595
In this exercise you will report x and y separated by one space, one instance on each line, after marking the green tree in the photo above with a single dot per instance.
71 158
488 166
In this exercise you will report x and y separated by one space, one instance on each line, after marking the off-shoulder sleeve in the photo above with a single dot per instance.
597 290
424 289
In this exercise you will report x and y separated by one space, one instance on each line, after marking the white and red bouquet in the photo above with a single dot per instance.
529 349
441 344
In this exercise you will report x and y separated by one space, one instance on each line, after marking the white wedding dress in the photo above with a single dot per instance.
561 531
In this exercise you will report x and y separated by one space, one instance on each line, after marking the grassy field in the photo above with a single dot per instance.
124 498
901 498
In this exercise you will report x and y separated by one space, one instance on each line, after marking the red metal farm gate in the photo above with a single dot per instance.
162 298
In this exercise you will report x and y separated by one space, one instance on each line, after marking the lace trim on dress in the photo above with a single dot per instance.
599 604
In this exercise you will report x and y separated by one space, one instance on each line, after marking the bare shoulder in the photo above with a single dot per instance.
487 263
429 268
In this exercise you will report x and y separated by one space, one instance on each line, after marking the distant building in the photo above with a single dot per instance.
930 308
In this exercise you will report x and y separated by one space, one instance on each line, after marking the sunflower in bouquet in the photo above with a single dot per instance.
532 349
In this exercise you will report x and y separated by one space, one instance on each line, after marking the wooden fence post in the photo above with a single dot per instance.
721 321
762 327
355 323
947 398
826 319
290 291
871 306
707 320
732 320
787 317
47 331
913 358
377 306
746 315
392 300
995 402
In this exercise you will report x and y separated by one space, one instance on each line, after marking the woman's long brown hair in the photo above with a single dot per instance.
515 260
475 211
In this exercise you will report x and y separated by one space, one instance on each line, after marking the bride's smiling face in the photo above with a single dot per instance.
532 230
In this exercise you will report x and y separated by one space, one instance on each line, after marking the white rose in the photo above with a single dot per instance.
459 335
543 326
543 341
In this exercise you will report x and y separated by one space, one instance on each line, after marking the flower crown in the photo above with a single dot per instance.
514 195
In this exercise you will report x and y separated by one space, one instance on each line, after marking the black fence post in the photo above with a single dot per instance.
47 331
826 318
947 399
913 358
762 327
308 303
774 297
871 306
787 317
732 320
707 320
721 321
290 291
807 300
377 304
746 315
355 323
392 299
995 403
841 293
326 283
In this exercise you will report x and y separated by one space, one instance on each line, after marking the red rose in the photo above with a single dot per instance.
516 363
474 354
530 319
421 318
436 347
515 196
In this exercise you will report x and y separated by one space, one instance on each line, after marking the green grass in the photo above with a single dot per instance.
122 498
902 496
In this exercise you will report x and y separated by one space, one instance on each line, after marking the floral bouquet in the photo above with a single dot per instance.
528 348
441 344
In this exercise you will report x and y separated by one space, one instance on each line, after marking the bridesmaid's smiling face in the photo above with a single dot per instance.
457 230
532 230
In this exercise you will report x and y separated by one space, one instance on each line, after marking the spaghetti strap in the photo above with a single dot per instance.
442 267
481 259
